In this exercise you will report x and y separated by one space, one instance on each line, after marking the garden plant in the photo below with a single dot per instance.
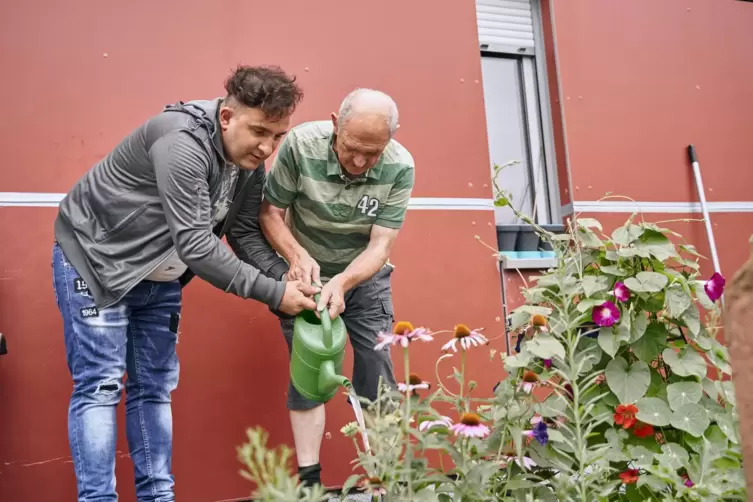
618 388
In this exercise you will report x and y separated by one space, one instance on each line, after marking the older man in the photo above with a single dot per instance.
343 187
131 233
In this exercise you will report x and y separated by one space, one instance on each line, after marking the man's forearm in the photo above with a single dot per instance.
366 264
279 236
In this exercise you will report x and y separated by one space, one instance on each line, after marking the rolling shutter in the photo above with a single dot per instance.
505 26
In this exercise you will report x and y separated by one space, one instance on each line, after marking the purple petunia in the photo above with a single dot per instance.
539 433
714 287
606 314
621 292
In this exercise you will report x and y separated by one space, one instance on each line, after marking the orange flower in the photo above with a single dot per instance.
630 476
625 415
643 430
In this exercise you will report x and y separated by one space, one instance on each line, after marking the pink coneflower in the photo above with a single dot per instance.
403 333
440 422
466 337
714 287
528 382
621 292
470 426
414 383
606 314
538 321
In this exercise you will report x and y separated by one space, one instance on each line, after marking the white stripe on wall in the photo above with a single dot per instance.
612 206
30 199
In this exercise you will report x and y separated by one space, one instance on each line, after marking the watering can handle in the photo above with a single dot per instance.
326 321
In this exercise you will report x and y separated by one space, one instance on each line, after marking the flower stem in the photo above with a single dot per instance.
464 408
406 423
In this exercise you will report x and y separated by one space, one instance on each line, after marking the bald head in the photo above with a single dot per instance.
369 105
363 128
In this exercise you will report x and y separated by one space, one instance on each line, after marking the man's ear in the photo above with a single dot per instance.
334 120
226 113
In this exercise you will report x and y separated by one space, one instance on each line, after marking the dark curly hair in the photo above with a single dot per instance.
265 87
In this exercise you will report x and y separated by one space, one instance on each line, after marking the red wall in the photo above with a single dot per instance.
642 80
80 77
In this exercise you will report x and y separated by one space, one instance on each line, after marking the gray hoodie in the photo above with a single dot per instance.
153 193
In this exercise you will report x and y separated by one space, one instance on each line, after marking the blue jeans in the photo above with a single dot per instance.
136 336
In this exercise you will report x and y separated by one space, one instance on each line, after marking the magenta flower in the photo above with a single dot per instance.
547 363
606 314
621 292
714 287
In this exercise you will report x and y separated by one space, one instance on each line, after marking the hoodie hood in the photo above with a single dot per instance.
206 113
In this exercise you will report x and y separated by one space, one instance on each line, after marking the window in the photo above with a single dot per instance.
516 102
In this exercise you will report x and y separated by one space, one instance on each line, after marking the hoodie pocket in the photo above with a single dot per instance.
122 224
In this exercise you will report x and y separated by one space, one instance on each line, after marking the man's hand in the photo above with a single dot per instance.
333 295
304 268
297 297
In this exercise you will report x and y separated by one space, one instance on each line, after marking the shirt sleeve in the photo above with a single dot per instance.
392 214
282 179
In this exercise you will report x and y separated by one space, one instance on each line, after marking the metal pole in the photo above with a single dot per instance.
706 218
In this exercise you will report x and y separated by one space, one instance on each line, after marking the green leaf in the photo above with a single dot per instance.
676 300
616 437
642 456
711 387
545 346
627 234
553 406
589 223
588 238
682 393
701 296
351 482
586 305
610 339
728 427
692 320
646 282
651 344
691 418
719 356
654 411
657 388
589 352
523 314
688 362
656 244
638 327
629 383
594 284
501 201
673 456
613 270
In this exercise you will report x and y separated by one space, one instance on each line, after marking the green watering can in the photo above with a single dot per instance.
317 357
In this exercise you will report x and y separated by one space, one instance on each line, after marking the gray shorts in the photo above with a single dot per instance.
368 310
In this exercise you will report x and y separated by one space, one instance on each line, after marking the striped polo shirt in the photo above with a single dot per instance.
329 213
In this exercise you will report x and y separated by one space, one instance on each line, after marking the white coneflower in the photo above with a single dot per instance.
466 337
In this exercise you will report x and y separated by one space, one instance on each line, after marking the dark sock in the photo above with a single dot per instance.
310 475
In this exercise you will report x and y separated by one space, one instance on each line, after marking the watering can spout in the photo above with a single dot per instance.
329 380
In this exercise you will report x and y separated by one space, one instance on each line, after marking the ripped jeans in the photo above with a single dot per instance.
136 336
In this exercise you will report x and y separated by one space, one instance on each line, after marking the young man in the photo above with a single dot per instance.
131 233
344 187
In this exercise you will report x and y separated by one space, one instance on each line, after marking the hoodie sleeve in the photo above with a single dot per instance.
181 166
246 237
